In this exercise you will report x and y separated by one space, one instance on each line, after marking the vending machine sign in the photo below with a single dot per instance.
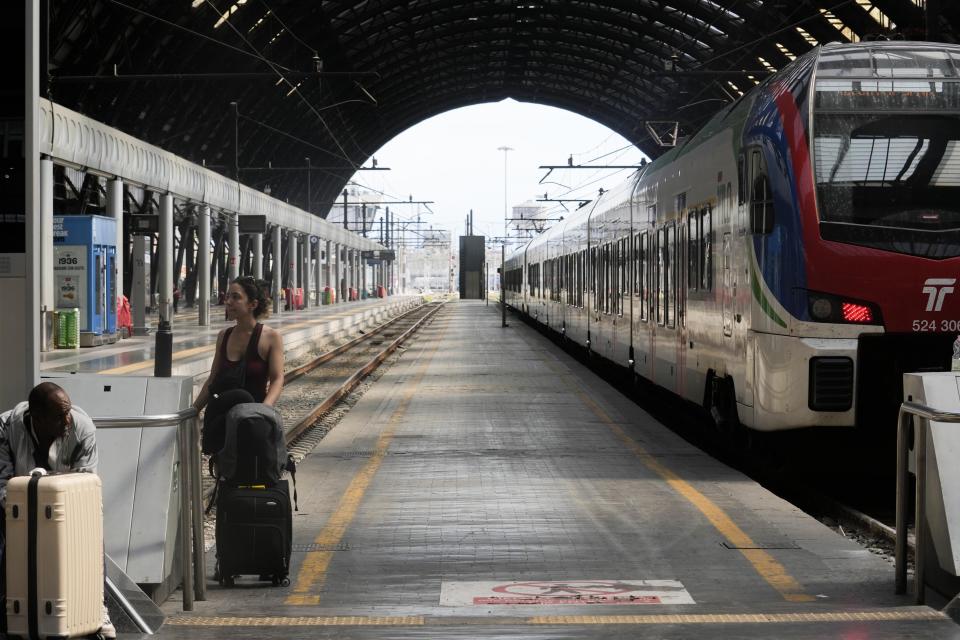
69 270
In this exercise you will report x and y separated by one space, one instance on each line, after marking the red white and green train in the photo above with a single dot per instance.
789 261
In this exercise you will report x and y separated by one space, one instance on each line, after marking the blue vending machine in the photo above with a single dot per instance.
84 262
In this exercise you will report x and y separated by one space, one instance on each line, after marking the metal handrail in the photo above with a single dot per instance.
926 414
193 563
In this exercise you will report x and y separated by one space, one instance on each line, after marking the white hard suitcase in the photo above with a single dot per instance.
54 555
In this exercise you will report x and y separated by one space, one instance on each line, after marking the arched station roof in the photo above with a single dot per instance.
167 71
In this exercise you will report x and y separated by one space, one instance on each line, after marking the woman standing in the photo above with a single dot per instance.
248 365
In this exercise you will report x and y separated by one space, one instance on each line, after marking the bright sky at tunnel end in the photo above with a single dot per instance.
453 159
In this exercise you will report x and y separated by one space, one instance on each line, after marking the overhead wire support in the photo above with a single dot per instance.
180 77
589 166
313 168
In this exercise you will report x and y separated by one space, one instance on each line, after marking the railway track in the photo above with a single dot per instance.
314 388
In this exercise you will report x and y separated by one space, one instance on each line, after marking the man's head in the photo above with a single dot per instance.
50 410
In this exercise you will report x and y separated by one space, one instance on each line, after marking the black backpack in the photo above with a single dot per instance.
253 448
253 452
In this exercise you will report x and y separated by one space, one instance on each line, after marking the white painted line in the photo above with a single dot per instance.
558 592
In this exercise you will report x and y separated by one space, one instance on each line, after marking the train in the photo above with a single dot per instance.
786 264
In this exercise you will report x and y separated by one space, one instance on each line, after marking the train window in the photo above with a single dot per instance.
548 279
761 206
558 265
615 277
660 247
607 277
693 250
642 274
624 287
605 274
741 179
636 265
670 263
681 203
682 246
706 249
554 280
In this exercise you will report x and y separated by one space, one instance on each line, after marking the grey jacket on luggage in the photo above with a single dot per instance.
76 451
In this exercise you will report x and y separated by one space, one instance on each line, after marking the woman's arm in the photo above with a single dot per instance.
204 396
275 368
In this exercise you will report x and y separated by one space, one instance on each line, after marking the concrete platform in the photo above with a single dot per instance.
489 486
194 346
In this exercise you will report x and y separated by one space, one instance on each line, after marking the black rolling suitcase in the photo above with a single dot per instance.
254 532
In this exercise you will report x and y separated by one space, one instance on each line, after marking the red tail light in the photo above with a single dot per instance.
856 312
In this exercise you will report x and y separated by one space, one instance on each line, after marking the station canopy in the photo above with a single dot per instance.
334 81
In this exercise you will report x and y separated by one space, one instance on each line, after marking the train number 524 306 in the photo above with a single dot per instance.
936 325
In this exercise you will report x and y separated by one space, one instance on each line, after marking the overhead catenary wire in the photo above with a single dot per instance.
286 28
293 88
197 33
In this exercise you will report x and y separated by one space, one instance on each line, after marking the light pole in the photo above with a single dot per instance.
505 216
503 249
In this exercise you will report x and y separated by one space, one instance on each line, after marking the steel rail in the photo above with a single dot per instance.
350 384
304 369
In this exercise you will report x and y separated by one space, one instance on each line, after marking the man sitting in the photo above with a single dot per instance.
47 433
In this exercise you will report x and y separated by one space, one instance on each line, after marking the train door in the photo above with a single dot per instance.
729 293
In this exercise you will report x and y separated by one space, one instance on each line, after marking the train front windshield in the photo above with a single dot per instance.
887 150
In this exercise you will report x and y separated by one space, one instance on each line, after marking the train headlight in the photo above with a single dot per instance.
821 309
827 307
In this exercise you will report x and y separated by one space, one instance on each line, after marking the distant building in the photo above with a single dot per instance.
529 219
429 263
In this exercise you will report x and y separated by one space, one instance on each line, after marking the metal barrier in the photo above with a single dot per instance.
926 414
193 564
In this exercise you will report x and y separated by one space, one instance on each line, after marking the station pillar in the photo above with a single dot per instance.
115 211
203 265
277 266
233 264
342 268
20 254
257 241
349 276
363 274
305 267
165 253
317 280
46 234
46 253
335 283
328 265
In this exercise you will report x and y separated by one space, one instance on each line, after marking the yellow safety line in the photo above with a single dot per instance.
876 615
312 575
883 615
769 569
304 621
180 355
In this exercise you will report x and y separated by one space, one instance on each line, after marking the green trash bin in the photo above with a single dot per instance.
68 329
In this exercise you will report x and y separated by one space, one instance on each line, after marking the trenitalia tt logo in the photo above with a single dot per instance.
936 290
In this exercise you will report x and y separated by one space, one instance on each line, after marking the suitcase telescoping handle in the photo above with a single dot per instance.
33 614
